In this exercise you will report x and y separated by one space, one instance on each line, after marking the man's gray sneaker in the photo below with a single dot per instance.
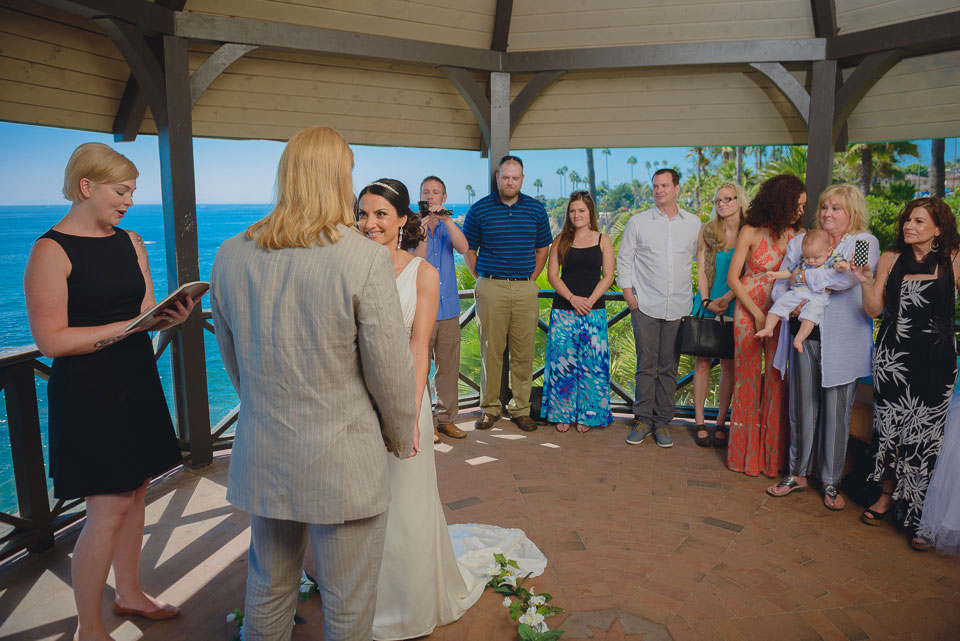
663 437
640 431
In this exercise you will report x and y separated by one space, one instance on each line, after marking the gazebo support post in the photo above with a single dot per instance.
175 140
820 137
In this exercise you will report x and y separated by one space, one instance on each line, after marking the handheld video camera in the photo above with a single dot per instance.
425 209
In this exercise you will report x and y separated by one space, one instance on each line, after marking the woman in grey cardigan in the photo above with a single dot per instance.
823 379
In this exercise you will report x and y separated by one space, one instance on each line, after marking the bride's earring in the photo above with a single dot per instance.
400 238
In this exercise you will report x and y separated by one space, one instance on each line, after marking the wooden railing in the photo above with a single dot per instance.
39 517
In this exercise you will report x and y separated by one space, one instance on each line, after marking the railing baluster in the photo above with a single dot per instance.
26 449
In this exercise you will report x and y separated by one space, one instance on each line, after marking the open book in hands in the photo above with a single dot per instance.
150 318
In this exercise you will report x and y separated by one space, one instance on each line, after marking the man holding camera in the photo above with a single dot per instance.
442 237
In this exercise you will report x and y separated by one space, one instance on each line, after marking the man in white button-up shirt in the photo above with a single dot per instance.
654 267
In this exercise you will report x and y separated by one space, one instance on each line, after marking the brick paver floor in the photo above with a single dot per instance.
643 543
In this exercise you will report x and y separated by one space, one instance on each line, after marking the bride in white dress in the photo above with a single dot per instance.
940 523
422 583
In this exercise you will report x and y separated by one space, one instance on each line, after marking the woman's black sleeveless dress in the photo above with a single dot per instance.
110 429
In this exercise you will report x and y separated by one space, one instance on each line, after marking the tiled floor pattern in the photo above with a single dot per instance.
643 543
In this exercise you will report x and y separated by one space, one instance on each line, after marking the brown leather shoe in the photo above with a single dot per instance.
486 421
451 430
525 423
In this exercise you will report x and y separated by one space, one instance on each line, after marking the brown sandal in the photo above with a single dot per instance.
565 428
582 429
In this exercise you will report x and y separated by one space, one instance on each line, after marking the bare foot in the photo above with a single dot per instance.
764 333
143 602
563 427
798 345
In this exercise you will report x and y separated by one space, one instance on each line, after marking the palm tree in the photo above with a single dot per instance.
563 185
631 161
648 171
606 161
539 185
470 193
591 179
740 166
879 160
700 160
937 167
758 152
793 162
575 179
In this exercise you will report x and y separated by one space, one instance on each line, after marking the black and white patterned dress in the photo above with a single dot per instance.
914 371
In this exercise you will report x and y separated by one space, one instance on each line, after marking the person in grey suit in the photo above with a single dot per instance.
307 320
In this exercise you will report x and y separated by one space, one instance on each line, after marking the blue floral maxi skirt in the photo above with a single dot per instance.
576 378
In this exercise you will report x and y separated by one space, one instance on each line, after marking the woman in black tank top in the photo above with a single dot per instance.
576 379
110 430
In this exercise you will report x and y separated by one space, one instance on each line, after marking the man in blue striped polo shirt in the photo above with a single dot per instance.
508 234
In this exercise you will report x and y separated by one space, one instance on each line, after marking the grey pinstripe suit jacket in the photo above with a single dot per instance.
312 339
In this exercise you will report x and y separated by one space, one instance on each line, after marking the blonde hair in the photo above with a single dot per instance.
815 239
742 200
314 192
853 203
97 163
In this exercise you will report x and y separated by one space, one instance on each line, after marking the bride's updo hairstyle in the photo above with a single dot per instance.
395 192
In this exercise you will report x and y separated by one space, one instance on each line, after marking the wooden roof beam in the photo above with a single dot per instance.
915 37
668 55
824 18
501 25
331 41
148 16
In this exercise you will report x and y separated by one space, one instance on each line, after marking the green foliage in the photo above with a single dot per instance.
620 196
529 634
917 169
883 219
898 190
954 201
793 162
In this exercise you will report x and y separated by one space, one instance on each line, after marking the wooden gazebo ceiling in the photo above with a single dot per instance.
58 68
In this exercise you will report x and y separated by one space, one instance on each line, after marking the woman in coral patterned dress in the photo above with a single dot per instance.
758 425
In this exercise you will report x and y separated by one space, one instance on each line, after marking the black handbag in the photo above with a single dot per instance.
702 336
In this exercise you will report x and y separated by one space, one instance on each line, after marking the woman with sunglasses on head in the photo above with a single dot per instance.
914 365
758 434
718 238
576 378
110 429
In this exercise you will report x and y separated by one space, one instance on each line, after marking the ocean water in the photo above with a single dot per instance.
20 226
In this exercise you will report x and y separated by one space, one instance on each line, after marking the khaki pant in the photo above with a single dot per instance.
507 312
348 559
444 349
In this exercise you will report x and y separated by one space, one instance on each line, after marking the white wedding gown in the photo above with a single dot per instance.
941 507
428 579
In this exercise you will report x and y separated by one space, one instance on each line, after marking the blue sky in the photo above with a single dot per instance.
231 171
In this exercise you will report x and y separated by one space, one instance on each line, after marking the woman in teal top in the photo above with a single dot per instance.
718 237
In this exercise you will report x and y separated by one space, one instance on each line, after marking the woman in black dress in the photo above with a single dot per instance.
914 366
110 429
